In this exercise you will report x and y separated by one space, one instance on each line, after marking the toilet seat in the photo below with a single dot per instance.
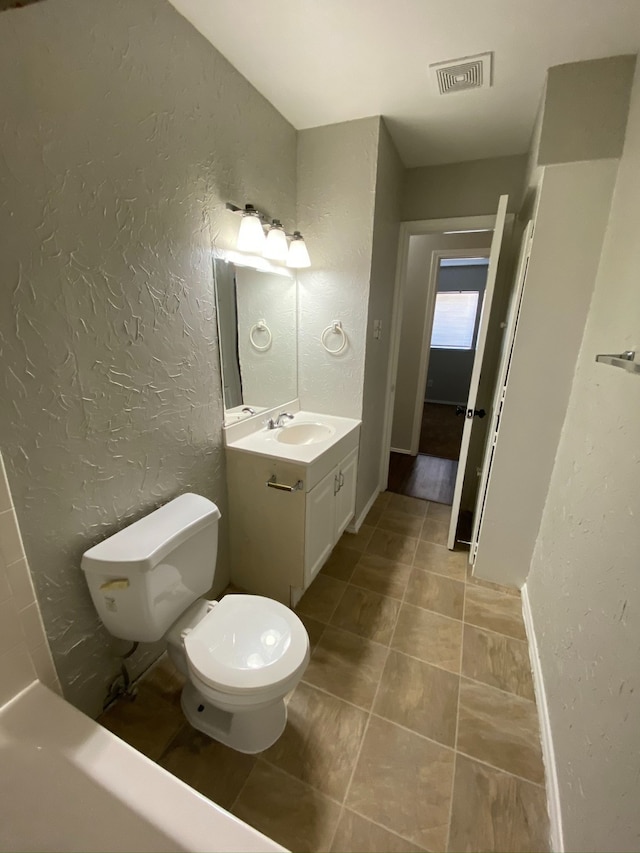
245 644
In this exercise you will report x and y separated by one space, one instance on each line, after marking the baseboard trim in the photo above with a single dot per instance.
548 752
357 523
400 450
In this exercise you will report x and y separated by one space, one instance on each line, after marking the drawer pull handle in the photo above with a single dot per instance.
272 484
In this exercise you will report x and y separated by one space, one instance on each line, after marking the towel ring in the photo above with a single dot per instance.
260 326
336 328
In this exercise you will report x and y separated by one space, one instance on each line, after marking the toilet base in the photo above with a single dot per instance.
245 731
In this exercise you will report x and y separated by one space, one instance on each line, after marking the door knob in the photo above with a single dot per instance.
461 410
477 413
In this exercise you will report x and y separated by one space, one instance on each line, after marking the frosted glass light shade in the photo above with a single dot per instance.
251 236
298 256
276 247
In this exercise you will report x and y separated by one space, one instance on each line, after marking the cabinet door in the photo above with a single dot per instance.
346 496
319 526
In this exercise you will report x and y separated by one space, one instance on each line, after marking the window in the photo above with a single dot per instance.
454 319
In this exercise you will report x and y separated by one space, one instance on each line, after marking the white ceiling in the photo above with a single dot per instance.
326 61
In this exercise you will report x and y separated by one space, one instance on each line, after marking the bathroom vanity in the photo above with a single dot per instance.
292 493
292 488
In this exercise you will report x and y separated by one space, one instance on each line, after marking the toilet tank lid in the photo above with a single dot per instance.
141 545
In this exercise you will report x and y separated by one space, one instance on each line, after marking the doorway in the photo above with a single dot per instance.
430 474
445 278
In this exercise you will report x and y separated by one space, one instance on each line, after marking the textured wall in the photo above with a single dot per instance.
583 585
337 168
582 116
570 224
462 189
585 110
116 153
386 227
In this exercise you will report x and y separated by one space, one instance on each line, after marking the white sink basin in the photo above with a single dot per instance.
304 433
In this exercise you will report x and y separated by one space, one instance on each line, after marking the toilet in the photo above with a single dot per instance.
241 655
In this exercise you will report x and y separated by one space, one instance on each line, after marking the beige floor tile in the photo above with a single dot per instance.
420 697
322 598
359 835
401 523
435 531
320 742
357 541
341 563
211 768
367 614
438 558
165 680
392 546
286 810
436 592
383 500
429 636
373 516
412 506
501 729
381 575
439 512
495 611
498 661
314 629
347 666
403 782
149 723
494 811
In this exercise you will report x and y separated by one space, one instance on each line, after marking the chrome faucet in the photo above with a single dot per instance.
279 421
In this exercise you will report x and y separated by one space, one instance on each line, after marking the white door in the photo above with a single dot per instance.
501 385
492 271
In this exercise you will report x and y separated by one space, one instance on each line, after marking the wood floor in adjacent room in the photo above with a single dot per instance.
414 727
427 477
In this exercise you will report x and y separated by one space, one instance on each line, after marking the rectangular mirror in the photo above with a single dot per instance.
257 330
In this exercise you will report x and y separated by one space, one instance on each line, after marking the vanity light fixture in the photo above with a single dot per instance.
298 256
273 246
251 234
276 247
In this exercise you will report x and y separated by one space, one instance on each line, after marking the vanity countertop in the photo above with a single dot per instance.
269 442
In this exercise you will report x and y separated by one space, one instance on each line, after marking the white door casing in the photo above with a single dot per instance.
494 256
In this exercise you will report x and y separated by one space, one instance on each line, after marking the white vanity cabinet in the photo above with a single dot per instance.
329 509
281 537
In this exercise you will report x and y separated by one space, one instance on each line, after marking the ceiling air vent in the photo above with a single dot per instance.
458 75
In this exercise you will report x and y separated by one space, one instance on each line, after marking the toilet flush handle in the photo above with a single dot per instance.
116 583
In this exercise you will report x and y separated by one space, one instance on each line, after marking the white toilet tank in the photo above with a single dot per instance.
143 577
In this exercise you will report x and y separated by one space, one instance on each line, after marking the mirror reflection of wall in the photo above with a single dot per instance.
228 333
257 330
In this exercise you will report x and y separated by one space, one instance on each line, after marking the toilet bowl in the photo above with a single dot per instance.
241 655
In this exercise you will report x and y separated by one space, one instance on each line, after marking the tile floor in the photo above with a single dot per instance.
415 726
